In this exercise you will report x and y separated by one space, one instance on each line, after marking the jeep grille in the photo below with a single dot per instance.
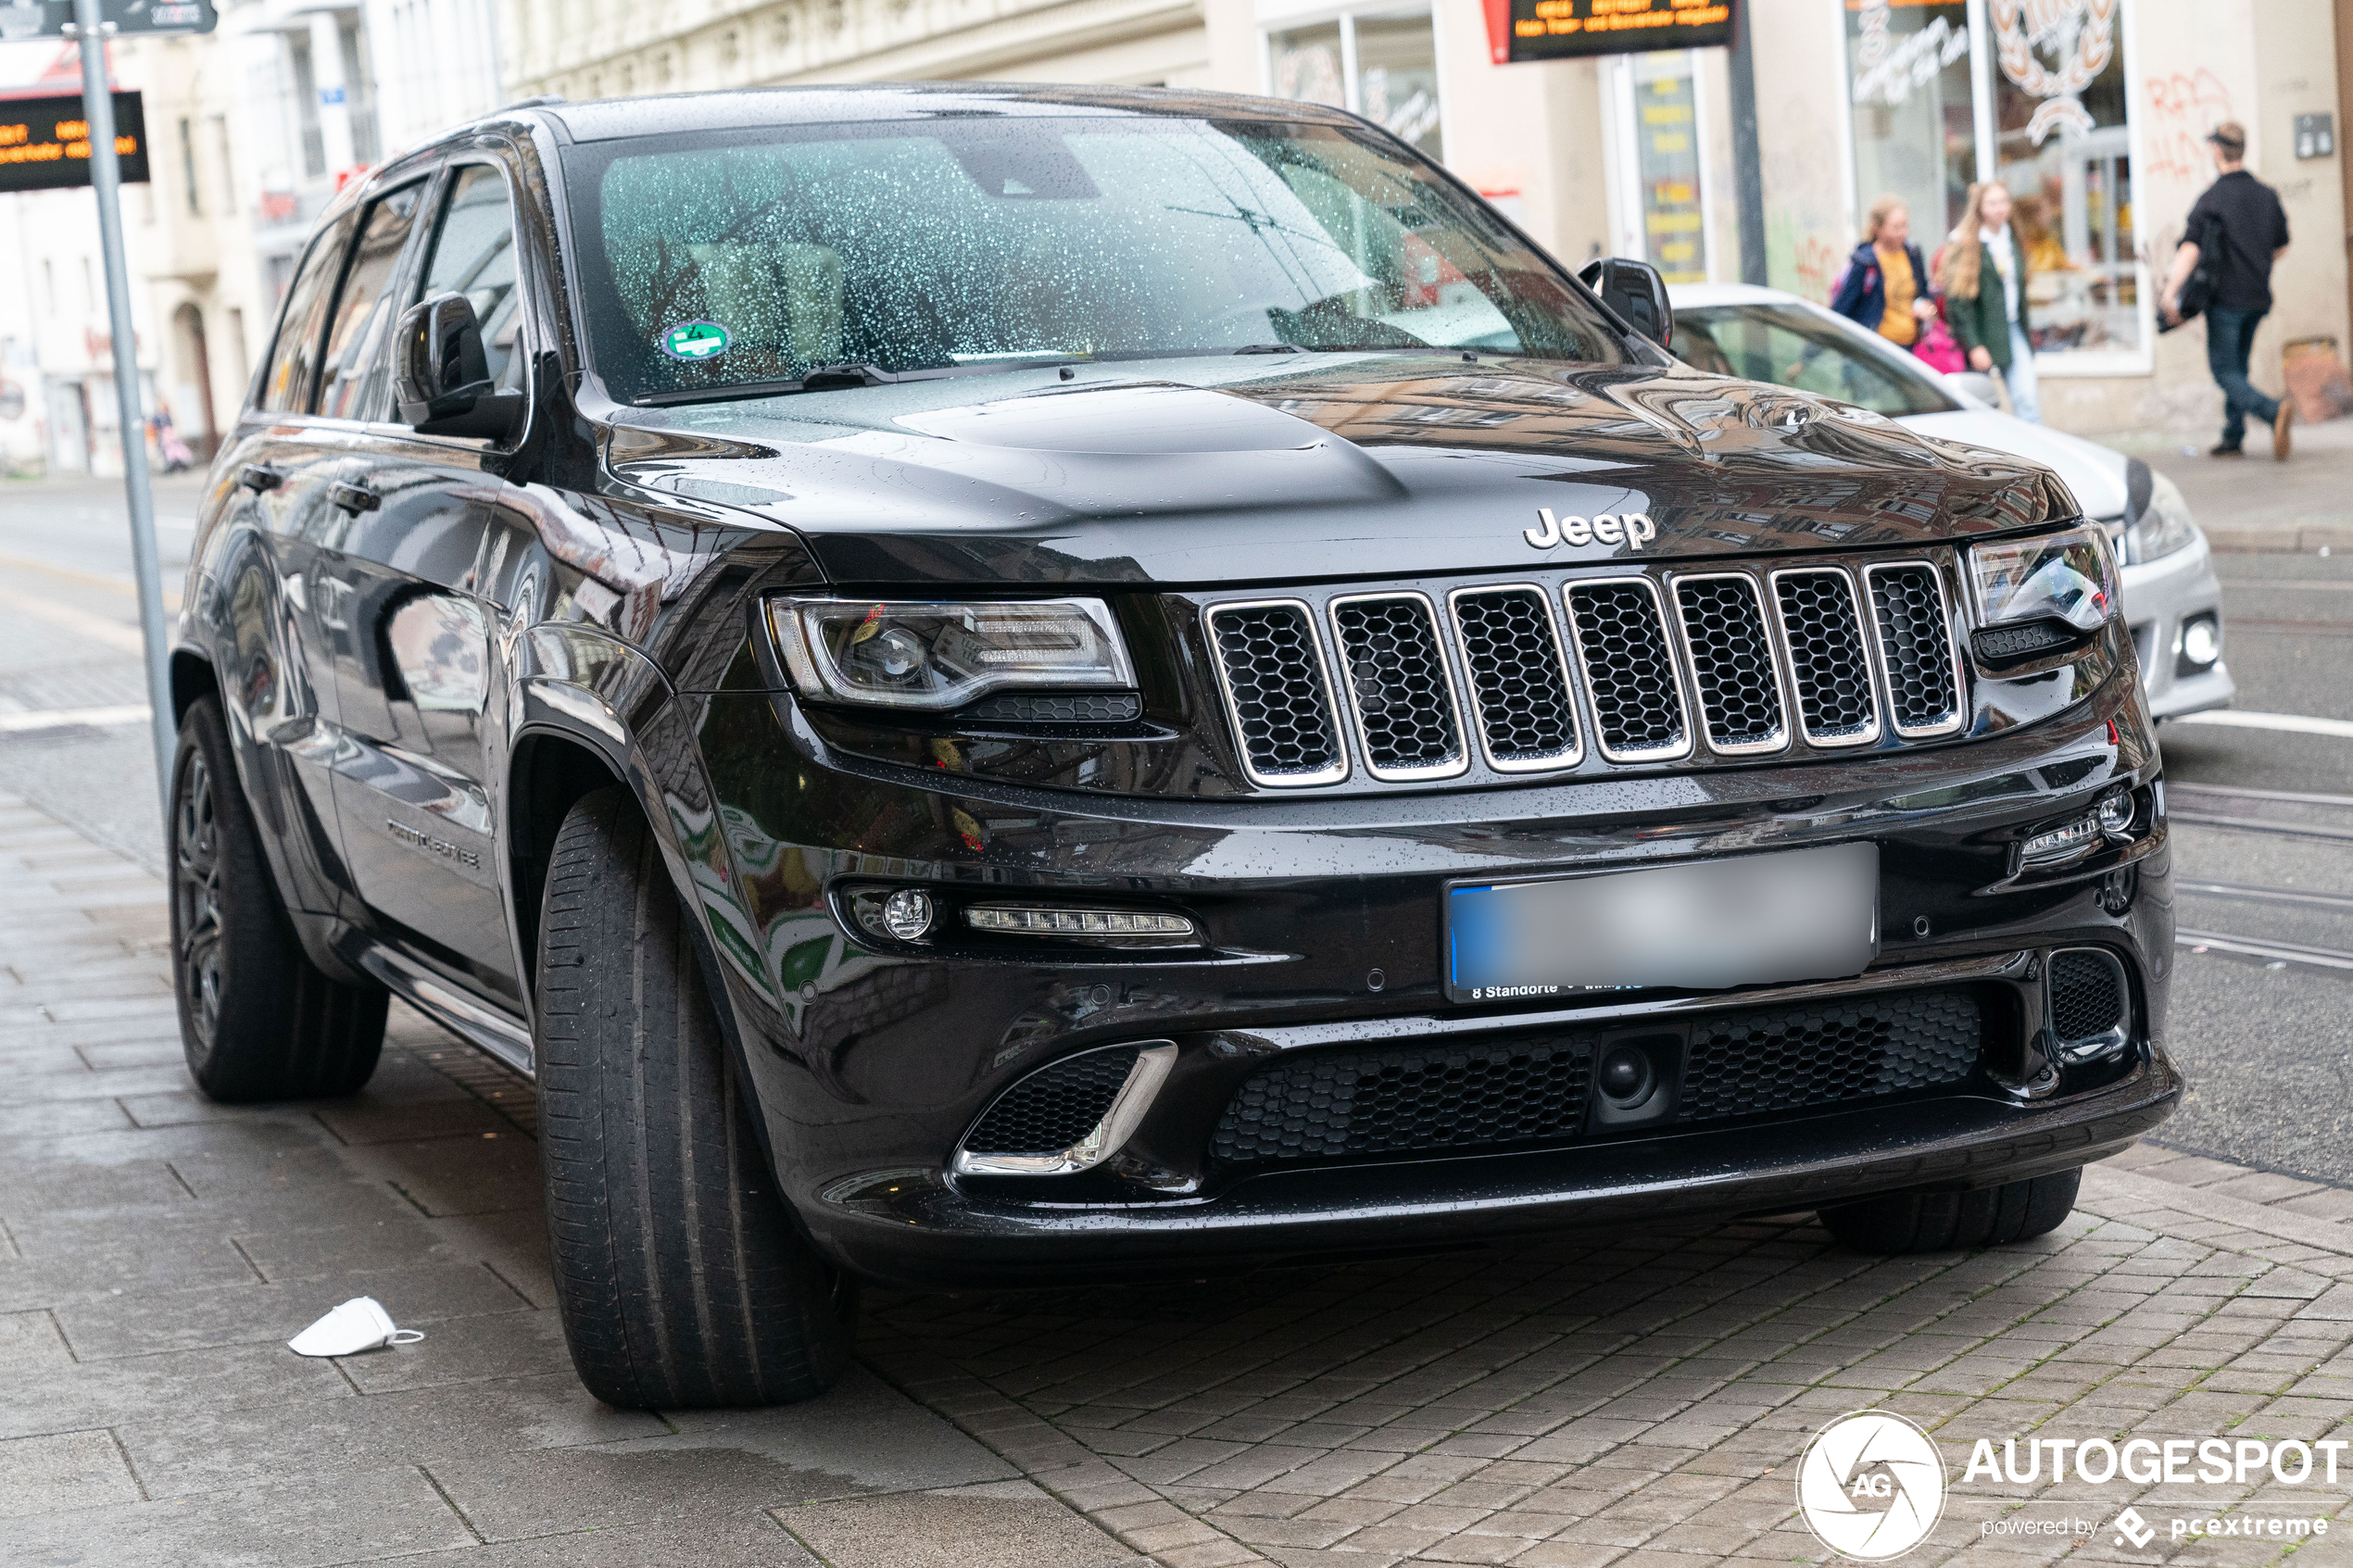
1658 665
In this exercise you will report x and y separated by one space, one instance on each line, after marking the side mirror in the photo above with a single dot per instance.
1635 291
1974 387
441 372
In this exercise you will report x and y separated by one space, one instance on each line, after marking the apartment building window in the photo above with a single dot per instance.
1381 63
2035 93
188 167
359 90
306 96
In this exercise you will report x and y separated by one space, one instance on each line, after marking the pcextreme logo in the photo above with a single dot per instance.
1871 1485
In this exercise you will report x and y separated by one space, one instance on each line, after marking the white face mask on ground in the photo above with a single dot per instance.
361 1324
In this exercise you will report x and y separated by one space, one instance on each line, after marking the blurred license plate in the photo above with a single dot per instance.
1701 925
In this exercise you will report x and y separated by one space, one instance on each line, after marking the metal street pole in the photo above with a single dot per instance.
106 182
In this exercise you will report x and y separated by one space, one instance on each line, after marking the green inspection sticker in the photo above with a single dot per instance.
693 341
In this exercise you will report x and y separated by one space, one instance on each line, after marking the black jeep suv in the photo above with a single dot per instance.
1000 685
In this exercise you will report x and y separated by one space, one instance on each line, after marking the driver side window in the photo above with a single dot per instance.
473 254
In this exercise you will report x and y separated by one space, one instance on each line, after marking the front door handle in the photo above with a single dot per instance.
258 477
353 498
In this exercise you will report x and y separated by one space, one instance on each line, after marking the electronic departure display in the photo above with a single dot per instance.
45 142
1561 30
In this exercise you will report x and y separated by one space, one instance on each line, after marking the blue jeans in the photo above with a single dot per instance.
2230 338
2019 380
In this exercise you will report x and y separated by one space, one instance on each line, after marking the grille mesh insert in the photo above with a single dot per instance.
1396 1098
1784 1060
1909 605
1398 675
2086 996
1275 676
1825 638
1517 680
1628 668
1739 701
1054 1106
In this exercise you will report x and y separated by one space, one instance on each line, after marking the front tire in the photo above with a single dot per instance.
683 1279
257 1019
1946 1221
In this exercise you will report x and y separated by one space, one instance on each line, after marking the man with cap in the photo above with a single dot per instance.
2240 219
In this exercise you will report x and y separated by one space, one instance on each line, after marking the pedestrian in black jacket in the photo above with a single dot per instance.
2240 221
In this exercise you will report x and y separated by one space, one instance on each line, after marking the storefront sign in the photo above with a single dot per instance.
1562 30
45 142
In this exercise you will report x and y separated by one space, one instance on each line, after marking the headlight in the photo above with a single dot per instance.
2068 577
920 653
2164 525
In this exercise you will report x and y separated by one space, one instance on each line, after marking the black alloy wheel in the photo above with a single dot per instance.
257 1019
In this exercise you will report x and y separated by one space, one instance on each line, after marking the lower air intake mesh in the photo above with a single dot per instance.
1054 1106
1402 1098
1791 1058
2087 995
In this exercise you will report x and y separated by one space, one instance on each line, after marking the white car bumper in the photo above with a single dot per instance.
2159 597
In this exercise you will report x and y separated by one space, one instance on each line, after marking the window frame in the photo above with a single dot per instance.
1276 16
2069 363
403 267
419 263
277 333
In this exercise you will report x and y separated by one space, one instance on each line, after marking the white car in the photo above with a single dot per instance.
2172 601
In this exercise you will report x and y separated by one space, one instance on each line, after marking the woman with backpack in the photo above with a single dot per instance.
1885 285
1981 274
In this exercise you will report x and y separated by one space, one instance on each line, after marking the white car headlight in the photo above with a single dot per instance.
2068 578
2164 525
925 654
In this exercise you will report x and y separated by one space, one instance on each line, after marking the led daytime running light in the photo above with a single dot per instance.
1076 922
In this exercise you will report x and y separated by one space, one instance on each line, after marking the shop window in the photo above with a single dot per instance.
2034 92
1382 65
1666 164
1915 117
2065 152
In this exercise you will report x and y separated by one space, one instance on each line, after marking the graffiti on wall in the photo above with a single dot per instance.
2182 109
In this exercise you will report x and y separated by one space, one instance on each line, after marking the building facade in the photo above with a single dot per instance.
2093 111
251 129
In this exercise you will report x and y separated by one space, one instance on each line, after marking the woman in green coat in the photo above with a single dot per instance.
1982 278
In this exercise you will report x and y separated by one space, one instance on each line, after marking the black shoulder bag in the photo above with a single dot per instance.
2197 289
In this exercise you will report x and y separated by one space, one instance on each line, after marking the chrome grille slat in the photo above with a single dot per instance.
1828 655
1629 670
1278 695
1398 685
1516 668
1734 673
1916 647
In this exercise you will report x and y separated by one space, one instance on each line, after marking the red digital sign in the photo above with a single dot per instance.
1566 29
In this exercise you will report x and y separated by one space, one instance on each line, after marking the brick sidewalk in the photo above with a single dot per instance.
1634 1400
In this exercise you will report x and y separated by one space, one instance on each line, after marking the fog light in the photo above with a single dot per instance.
1013 921
2062 842
2201 644
908 914
2116 816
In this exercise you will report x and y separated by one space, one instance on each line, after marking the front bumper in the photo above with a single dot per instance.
871 1060
916 1230
2159 595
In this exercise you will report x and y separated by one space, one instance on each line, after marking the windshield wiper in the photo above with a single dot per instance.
1270 348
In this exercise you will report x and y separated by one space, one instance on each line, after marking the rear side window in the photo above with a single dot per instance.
293 361
357 336
473 254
